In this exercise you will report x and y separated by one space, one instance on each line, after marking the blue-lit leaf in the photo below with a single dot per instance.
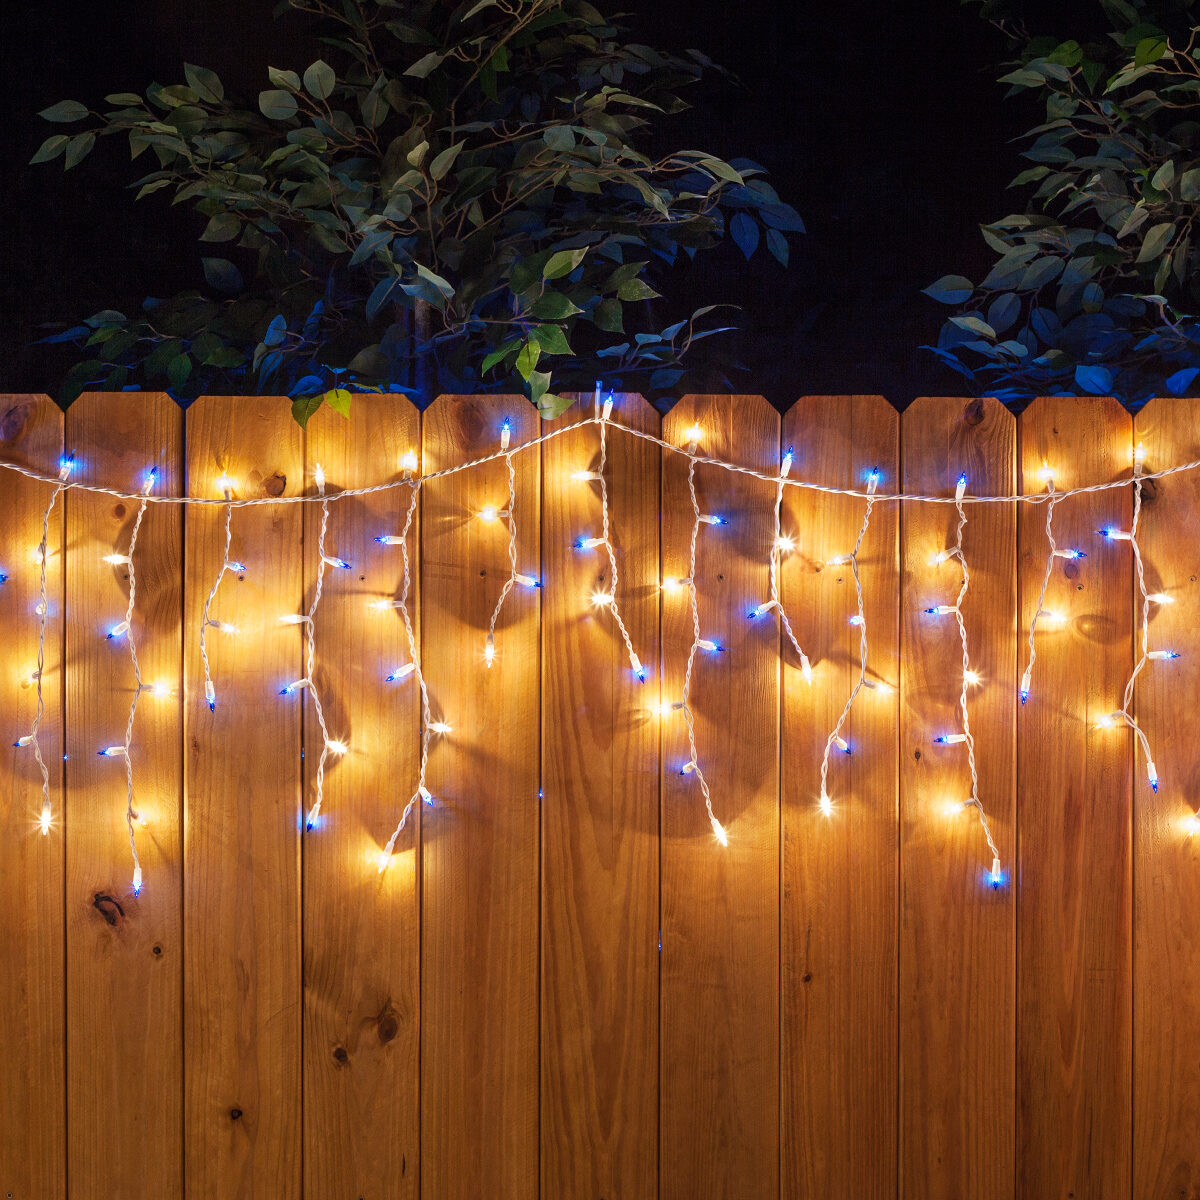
1095 380
222 274
950 289
744 231
1179 383
778 246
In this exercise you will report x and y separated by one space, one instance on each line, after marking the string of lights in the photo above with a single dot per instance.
860 619
969 676
415 480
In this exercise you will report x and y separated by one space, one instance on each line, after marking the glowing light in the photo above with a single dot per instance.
709 645
489 513
785 466
606 411
995 876
210 695
25 739
839 560
1191 824
635 665
111 751
1163 654
1110 720
785 543
158 689
873 478
237 567
666 708
843 745
950 739
1160 598
857 619
489 650
719 831
960 487
382 861
319 476
44 821
672 584
588 543
601 599
1115 535
330 561
1139 454
225 484
973 678
505 433
389 539
1045 474
825 805
337 746
66 465
687 768
806 669
761 609
585 476
693 435
955 808
710 519
1069 554
440 727
409 462
942 610
117 630
294 619
223 627
526 580
137 880
117 559
401 672
936 560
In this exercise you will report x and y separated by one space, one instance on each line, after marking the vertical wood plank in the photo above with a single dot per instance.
480 840
124 950
242 986
719 1037
1074 921
957 949
1166 900
361 929
600 751
839 944
32 1036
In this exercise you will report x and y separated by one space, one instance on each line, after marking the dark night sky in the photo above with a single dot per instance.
880 122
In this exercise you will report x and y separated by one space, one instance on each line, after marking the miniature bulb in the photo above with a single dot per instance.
505 434
602 599
693 435
409 462
785 543
826 805
488 513
224 485
489 650
401 672
137 880
806 669
44 820
117 559
973 678
719 831
319 477
440 727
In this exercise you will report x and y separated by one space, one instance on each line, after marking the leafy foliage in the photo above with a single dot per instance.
454 196
1095 286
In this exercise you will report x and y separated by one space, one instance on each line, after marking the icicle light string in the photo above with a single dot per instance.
996 875
608 599
692 766
860 619
780 543
1124 715
206 621
1040 610
412 667
514 576
309 683
65 466
125 629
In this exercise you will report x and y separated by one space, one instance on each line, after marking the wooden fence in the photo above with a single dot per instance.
562 986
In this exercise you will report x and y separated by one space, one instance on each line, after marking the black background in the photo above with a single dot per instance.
879 121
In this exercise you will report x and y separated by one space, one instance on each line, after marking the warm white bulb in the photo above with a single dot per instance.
826 805
973 678
489 650
719 831
319 475
1160 598
409 462
336 746
224 484
1045 474
293 619
44 820
116 559
489 513
382 860
440 727
1139 454
785 543
158 689
693 435
602 599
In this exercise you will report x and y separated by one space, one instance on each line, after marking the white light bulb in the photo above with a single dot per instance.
389 539
693 435
210 694
585 476
489 513
36 555
525 580
960 487
26 739
1192 824
224 484
1139 454
707 644
785 466
505 434
424 793
382 861
839 560
687 768
1160 598
111 751
1159 655
402 672
857 619
116 559
841 743
336 746
158 689
606 411
710 519
825 803
440 727
673 584
602 599
973 678
950 739
295 686
293 619
489 650
785 543
806 669
319 476
942 610
44 820
1109 720
409 462
719 831
330 561
117 630
940 557
137 880
1045 474
223 626
761 609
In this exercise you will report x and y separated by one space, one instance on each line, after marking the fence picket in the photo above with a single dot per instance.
600 746
839 940
1166 873
32 1034
957 976
361 929
124 951
480 840
242 982
1074 924
719 1037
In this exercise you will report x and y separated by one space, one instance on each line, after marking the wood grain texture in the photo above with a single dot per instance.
839 937
124 951
479 972
361 929
957 949
1166 873
600 753
719 1037
242 983
32 1034
1074 922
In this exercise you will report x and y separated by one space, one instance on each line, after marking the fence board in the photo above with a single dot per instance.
1166 901
719 1035
957 965
124 951
242 999
32 1069
1074 925
839 871
600 749
480 843
361 929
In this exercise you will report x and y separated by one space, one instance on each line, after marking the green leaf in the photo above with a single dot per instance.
284 79
444 161
204 83
320 80
499 354
303 407
551 406
527 359
77 149
222 227
552 339
563 262
539 381
178 370
277 105
560 138
974 325
1164 177
476 8
125 99
636 289
609 315
63 111
339 400
1149 49
553 306
1155 241
222 274
423 66
51 148
1189 185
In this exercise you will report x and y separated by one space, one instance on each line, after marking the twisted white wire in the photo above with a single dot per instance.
1053 498
774 601
414 657
692 767
510 516
860 682
210 692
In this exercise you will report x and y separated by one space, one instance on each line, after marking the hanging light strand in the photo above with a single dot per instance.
312 692
66 463
413 668
835 738
996 875
510 517
692 766
1040 610
210 691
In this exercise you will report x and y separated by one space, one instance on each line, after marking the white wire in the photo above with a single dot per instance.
205 619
